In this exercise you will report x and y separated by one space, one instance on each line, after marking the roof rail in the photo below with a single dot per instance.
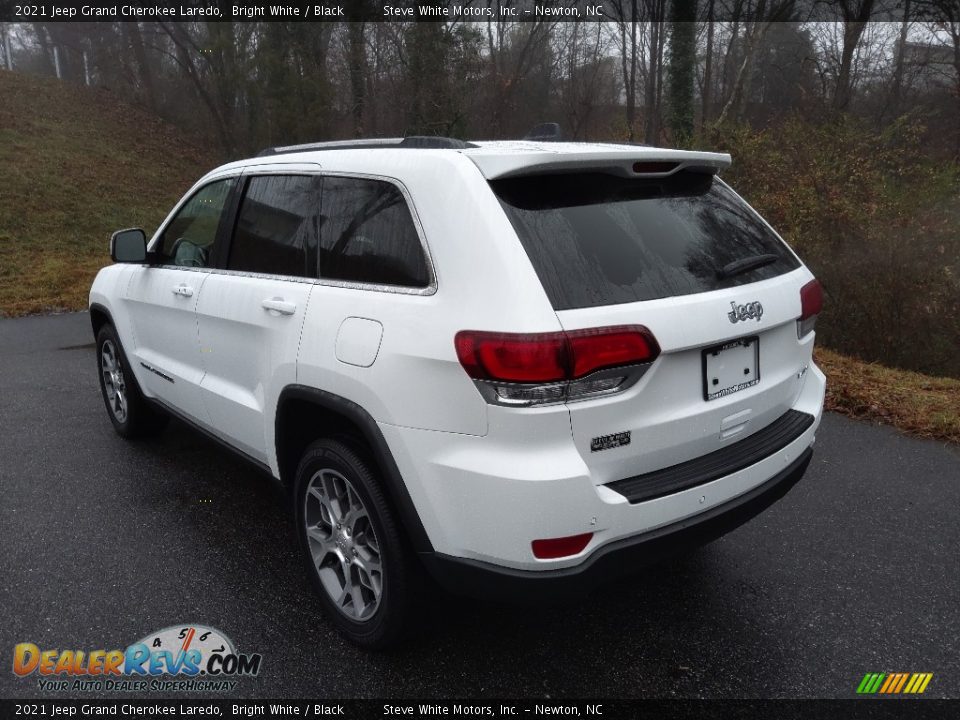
420 142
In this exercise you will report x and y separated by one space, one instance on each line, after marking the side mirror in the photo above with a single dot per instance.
129 246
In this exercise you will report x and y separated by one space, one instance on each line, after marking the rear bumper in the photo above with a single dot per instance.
616 559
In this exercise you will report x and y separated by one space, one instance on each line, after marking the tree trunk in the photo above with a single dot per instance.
135 38
358 82
855 18
707 71
681 70
650 129
898 69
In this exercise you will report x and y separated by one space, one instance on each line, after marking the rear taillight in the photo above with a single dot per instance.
554 548
513 358
811 303
531 369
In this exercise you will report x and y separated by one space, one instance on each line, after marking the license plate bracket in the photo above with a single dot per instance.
731 367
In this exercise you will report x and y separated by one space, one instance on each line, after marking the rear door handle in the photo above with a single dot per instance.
279 305
183 290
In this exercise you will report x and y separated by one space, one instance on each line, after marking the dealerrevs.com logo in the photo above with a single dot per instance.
180 658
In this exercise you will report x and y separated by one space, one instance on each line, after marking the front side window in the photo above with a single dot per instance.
278 226
368 235
189 239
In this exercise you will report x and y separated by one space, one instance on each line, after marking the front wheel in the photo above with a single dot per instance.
351 542
130 412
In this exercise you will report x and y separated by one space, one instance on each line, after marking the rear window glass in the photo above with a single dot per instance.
597 239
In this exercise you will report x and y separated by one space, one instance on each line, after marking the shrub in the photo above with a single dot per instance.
877 221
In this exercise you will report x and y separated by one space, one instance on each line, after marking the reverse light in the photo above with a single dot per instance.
554 548
540 368
811 303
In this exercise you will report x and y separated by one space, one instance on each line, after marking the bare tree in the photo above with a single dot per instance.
855 15
626 15
756 21
707 86
945 25
653 71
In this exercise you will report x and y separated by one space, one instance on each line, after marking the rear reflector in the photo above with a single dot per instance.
553 357
554 548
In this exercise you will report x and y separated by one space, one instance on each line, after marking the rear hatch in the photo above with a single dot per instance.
670 247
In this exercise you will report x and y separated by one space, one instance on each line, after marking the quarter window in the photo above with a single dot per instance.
368 235
278 226
189 239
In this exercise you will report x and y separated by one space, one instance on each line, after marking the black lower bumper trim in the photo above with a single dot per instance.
720 463
619 558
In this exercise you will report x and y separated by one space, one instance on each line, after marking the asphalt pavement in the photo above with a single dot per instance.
102 541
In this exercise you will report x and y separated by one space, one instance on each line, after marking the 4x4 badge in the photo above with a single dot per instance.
749 311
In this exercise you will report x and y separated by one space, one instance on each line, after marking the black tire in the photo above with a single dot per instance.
139 418
398 566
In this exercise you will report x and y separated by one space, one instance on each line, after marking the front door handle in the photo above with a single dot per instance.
279 305
183 290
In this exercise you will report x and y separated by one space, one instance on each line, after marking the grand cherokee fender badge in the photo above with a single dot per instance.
606 442
749 311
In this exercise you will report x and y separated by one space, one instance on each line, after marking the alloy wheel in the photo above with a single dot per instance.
343 544
113 382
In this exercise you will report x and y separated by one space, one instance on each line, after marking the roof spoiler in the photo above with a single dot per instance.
614 159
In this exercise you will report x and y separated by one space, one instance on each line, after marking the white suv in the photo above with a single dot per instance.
521 366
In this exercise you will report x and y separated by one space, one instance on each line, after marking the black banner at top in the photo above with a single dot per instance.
413 11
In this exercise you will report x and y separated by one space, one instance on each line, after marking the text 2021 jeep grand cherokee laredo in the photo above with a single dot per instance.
522 366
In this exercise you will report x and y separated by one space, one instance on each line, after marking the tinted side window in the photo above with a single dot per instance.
189 240
368 235
278 226
597 239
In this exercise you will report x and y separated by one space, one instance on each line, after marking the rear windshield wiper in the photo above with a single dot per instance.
745 264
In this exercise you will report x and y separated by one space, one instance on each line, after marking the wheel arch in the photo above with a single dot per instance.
305 414
100 316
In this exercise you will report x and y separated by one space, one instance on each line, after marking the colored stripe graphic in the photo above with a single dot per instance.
862 687
894 683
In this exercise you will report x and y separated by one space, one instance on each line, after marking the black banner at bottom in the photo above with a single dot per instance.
486 708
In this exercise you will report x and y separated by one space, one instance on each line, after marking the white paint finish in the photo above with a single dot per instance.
416 380
249 329
161 302
512 158
489 498
358 341
486 480
665 411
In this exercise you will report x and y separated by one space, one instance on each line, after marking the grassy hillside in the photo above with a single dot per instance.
77 165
